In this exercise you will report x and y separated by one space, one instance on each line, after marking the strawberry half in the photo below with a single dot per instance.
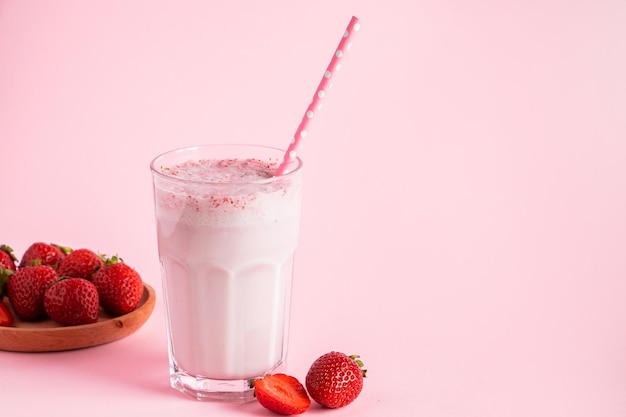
72 301
119 286
282 394
80 263
6 319
335 379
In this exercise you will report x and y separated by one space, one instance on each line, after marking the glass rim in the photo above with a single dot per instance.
158 172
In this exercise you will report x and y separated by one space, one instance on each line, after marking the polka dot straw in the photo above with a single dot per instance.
322 90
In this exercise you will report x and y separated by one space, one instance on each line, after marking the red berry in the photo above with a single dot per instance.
26 288
7 267
335 379
119 286
7 258
44 254
72 301
6 319
282 394
80 263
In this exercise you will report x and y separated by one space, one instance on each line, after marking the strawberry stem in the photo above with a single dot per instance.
110 261
4 278
251 383
9 251
65 250
360 363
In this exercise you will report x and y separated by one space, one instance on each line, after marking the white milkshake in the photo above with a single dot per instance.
227 231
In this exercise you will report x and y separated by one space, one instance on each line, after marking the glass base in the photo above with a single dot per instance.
206 389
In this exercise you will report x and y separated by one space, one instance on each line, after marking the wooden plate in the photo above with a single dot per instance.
49 336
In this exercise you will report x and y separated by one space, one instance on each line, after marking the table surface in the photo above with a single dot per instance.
463 223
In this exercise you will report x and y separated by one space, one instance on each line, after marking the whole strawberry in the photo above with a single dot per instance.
119 286
7 258
44 254
80 263
335 379
26 289
72 301
282 394
7 267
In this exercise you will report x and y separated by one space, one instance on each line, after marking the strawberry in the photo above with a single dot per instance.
6 319
335 379
7 267
119 286
282 394
46 253
80 263
72 301
26 288
7 258
5 274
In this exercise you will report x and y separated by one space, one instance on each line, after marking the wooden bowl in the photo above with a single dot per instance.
49 336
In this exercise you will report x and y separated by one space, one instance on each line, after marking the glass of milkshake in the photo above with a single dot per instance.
227 230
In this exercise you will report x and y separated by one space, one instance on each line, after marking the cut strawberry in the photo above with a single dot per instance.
6 319
282 394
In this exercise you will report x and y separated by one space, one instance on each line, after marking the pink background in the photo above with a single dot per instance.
463 225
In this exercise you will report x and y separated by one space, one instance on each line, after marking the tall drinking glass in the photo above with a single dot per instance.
227 231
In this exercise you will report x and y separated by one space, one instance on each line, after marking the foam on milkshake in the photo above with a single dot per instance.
226 192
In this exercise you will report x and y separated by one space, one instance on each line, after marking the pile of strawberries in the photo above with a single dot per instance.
334 380
68 286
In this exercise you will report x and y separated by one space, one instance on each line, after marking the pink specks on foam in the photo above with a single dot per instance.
222 170
219 184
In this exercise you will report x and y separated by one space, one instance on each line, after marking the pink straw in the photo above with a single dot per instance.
322 89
